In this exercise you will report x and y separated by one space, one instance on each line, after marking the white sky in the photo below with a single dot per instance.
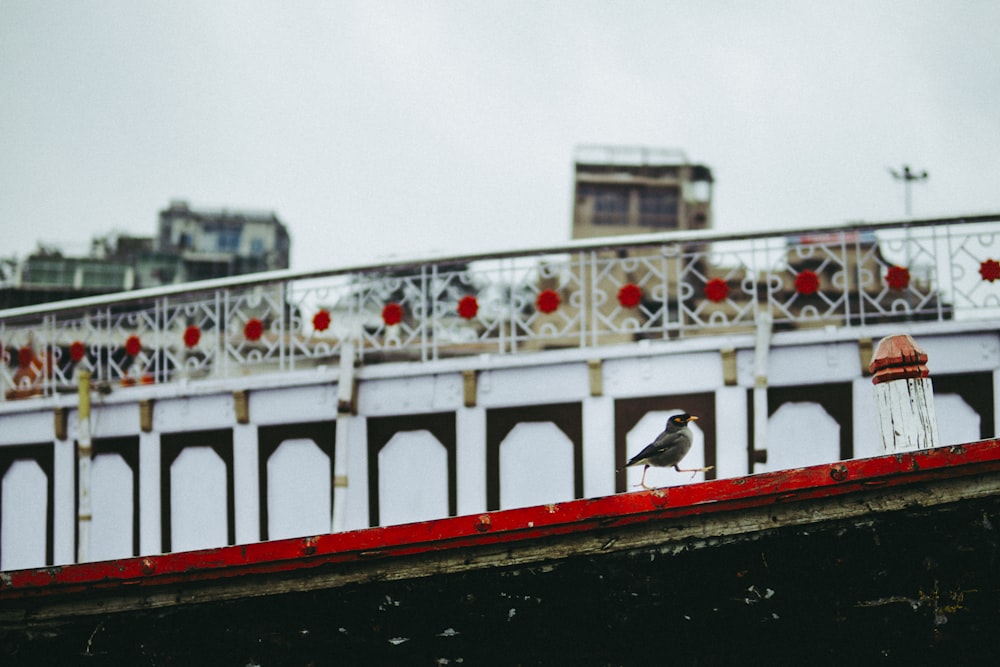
379 129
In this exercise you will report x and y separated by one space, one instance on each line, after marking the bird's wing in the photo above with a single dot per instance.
662 443
647 451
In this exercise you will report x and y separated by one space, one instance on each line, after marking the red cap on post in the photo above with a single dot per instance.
898 358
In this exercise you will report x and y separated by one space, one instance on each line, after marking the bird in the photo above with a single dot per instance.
668 449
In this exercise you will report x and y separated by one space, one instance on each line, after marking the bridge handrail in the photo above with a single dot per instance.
583 293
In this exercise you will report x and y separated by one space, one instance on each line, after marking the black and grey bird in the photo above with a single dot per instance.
668 449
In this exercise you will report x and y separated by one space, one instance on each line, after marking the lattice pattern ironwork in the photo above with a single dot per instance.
582 295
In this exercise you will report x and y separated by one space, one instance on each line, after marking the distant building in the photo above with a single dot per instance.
217 243
191 244
634 190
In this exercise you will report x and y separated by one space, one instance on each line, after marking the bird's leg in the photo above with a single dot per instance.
693 471
642 482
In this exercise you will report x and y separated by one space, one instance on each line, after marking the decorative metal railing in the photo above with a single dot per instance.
583 294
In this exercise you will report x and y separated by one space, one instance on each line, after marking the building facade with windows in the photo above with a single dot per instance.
213 243
191 244
633 190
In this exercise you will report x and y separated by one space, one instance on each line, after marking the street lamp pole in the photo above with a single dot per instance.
907 176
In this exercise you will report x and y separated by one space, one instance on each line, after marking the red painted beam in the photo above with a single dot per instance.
508 526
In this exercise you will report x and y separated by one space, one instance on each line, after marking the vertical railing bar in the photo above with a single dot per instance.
581 263
222 325
163 344
678 272
511 332
105 330
755 283
48 343
938 278
665 302
434 294
97 373
284 332
422 300
295 302
353 309
847 281
592 267
858 269
159 335
503 310
4 366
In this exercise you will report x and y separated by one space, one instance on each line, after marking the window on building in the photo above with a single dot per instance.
205 270
55 271
228 239
609 204
104 276
659 208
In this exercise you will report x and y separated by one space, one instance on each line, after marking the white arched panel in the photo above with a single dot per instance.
198 516
412 478
111 484
644 432
25 510
957 422
298 490
800 434
536 466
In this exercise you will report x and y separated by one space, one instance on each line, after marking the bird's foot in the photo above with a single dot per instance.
694 471
653 490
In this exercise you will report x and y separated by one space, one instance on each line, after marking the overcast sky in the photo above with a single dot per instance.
379 129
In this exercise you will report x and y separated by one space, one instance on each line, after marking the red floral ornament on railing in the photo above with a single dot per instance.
192 335
990 270
133 346
76 351
897 277
392 314
629 295
321 320
253 329
548 301
468 307
716 290
25 356
807 282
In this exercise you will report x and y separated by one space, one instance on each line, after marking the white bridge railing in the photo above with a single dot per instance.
582 294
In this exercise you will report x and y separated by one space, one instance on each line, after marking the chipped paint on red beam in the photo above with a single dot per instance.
508 526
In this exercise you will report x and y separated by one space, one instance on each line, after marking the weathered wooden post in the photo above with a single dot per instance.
904 395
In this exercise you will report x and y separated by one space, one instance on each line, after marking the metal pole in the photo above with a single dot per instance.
761 351
84 455
345 410
907 176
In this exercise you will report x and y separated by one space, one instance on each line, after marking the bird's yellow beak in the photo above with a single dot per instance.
692 418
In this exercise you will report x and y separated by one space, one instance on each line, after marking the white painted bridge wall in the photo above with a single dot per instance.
535 459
